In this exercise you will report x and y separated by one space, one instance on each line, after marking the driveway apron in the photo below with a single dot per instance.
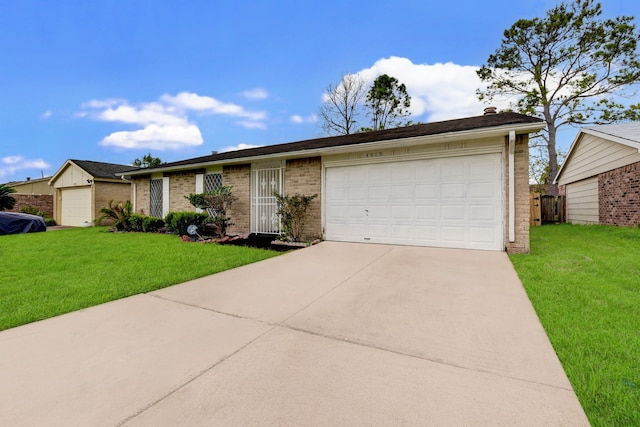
335 334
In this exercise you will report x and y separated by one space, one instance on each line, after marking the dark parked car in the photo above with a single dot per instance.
14 223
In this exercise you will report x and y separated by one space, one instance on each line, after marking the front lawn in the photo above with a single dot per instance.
584 282
46 274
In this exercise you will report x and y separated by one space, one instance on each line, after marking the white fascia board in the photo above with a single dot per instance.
344 149
609 137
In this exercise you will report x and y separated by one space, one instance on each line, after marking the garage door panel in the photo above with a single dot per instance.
482 190
483 213
448 213
452 235
401 212
453 191
75 206
426 212
402 192
452 170
450 202
426 192
482 235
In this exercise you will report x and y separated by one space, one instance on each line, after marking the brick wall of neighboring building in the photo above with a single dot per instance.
304 176
180 185
239 177
41 202
522 212
142 195
619 196
104 192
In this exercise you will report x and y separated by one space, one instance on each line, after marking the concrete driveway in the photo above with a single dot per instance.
334 335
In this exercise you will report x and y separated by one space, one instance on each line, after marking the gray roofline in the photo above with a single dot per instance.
519 128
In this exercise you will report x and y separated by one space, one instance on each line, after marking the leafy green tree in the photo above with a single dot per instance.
387 103
342 104
569 67
7 202
147 161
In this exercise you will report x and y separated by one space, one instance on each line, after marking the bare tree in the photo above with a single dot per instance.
341 105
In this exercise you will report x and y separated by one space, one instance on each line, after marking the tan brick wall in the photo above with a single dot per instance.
304 177
143 195
41 202
181 184
521 243
239 177
103 192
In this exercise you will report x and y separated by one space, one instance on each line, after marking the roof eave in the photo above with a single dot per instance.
598 134
519 128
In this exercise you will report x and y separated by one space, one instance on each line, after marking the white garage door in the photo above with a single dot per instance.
451 202
76 206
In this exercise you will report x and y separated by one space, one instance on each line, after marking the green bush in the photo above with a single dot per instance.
177 222
32 211
135 222
49 222
151 224
146 224
292 210
216 203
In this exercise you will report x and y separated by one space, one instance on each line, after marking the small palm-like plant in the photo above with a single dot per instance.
7 202
120 213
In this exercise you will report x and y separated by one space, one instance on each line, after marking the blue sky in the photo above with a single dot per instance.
113 80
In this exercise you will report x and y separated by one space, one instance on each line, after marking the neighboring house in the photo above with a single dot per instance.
82 188
33 193
443 184
601 175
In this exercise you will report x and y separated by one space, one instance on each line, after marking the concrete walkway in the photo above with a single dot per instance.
334 335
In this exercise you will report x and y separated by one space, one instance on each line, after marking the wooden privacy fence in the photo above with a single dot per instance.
546 209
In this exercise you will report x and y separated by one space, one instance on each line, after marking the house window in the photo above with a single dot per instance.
265 180
156 198
212 181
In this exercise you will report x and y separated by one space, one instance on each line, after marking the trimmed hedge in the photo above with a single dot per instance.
177 222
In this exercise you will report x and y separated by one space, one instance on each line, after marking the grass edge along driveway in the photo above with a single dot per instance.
47 274
584 282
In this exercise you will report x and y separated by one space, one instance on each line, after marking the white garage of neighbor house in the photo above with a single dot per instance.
601 176
83 187
458 183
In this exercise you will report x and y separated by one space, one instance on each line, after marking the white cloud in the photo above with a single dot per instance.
438 91
312 118
9 165
207 104
151 113
166 124
257 93
46 115
238 147
156 137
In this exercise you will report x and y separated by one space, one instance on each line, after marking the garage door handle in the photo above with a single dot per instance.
367 211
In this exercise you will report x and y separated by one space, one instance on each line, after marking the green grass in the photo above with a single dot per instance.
584 282
46 274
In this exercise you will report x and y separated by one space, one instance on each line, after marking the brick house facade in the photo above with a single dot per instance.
303 168
619 196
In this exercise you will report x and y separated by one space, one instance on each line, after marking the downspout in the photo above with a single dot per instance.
512 180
